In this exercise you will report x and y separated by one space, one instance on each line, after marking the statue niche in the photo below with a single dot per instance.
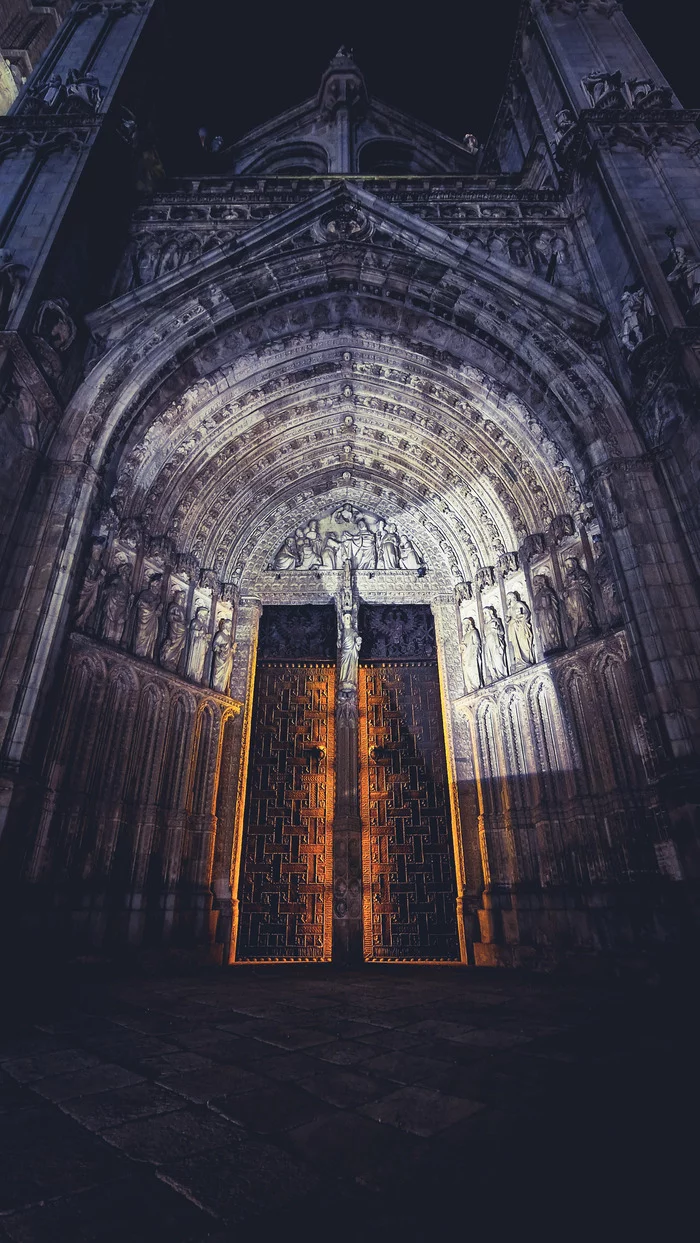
349 536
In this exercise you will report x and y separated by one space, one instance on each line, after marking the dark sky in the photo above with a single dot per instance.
231 65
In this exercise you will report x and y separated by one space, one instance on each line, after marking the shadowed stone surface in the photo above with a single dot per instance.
582 1090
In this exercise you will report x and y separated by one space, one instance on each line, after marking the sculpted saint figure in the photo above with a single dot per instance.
115 603
222 648
470 651
388 551
199 636
309 559
173 645
148 610
606 581
287 558
349 643
547 613
520 631
408 557
91 586
578 594
495 664
331 557
365 547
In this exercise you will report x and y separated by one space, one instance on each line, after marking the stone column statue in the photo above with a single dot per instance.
115 603
89 591
578 594
148 611
199 642
520 631
495 663
547 613
223 649
173 644
349 644
470 651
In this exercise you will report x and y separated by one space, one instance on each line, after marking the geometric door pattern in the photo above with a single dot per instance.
409 892
286 867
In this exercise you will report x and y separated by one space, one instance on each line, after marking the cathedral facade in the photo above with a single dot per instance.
350 515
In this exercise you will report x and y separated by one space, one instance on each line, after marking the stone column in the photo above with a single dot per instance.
347 827
241 688
347 836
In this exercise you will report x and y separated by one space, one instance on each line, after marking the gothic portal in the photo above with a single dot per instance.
350 515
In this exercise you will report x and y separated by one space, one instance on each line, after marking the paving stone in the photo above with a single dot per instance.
346 1052
347 1145
168 1137
130 1211
127 1048
420 1110
292 1066
274 1108
83 1082
443 1028
390 1038
106 1109
205 1085
57 1164
344 1088
491 1038
13 1095
402 1067
239 1185
57 1062
284 1037
163 1067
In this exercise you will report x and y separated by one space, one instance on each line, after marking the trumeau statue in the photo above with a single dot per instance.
578 594
495 663
350 536
349 644
115 603
223 650
520 631
173 645
470 651
148 611
199 642
548 615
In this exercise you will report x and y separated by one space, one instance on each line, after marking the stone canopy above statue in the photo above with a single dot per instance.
349 536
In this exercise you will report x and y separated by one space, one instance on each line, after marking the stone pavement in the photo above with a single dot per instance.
391 1103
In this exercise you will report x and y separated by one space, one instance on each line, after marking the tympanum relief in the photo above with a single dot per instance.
349 536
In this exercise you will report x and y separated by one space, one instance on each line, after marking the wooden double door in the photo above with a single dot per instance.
408 893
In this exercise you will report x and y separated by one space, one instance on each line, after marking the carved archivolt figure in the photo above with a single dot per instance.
223 649
388 548
548 614
199 642
470 651
578 594
115 603
91 585
350 644
684 277
148 611
495 663
173 645
520 631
